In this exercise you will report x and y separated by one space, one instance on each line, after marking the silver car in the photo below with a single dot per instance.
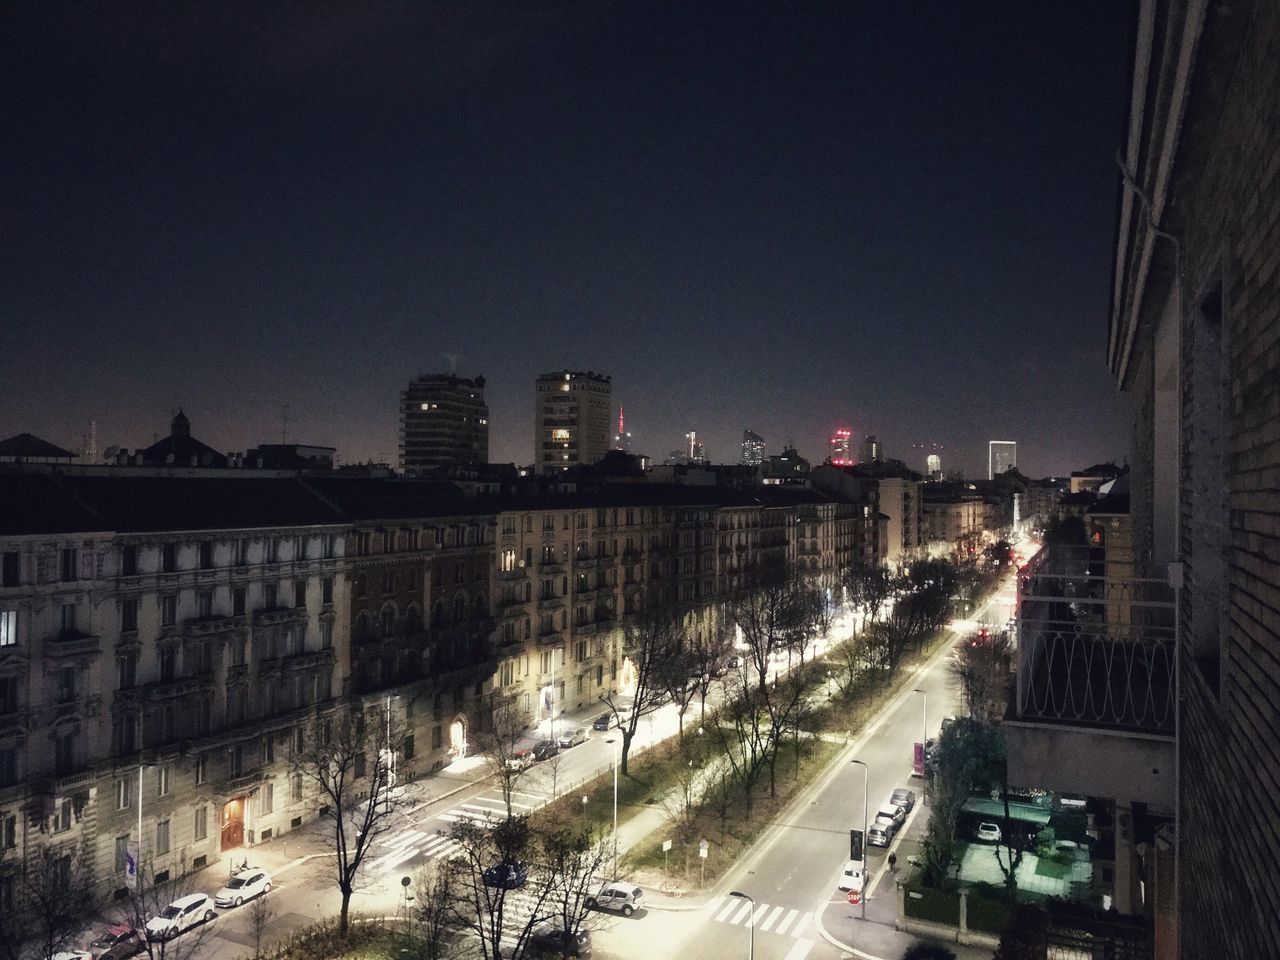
619 897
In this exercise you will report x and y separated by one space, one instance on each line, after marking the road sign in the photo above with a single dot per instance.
917 760
855 897
702 849
666 845
855 844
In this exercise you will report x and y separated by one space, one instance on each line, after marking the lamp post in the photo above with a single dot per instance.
866 776
924 716
614 741
137 864
751 923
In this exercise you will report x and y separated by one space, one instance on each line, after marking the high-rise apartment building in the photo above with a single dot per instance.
1002 455
933 466
693 447
871 452
573 419
752 449
841 455
444 421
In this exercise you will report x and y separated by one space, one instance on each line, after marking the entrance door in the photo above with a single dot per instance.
458 739
233 823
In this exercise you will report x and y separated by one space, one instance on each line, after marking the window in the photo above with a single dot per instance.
129 614
299 548
68 618
200 831
240 554
8 695
62 817
408 747
66 690
295 788
267 798
122 853
8 766
204 604
206 554
70 563
326 590
237 760
273 550
270 596
9 569
168 610
64 753
162 837
360 766
169 558
268 750
168 657
129 561
330 545
202 768
326 634
437 738
238 602
8 832
123 794
8 628
300 593
162 781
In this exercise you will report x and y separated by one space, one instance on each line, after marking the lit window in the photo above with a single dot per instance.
426 406
564 387
8 628
559 434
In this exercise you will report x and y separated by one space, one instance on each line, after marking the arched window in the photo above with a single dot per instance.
364 626
388 619
459 607
481 606
437 614
413 619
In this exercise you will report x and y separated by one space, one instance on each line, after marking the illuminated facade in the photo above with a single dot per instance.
752 449
871 452
444 421
693 447
933 466
574 410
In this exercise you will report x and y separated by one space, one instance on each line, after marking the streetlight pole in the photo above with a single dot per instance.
924 716
137 866
751 923
614 741
866 776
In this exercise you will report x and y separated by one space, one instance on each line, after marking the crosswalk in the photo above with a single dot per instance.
768 918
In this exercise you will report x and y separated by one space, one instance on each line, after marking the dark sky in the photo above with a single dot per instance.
788 217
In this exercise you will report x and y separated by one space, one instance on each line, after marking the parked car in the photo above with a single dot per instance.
506 876
245 885
117 943
880 833
545 749
72 955
602 722
554 942
733 663
988 833
572 737
904 798
520 760
618 897
852 876
888 810
180 916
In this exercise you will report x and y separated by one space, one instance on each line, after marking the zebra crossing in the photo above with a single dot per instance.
785 921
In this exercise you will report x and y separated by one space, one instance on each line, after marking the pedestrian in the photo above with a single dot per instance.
893 863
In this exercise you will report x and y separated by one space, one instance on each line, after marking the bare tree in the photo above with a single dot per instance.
572 860
349 758
869 588
677 674
651 636
432 916
501 741
710 651
981 668
50 891
260 913
149 895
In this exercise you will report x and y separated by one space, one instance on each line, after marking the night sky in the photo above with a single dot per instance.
787 217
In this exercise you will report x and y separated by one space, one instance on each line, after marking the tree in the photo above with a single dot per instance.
149 894
869 588
967 756
1025 936
981 668
677 674
50 891
650 638
710 651
261 913
505 729
431 918
920 950
348 757
572 859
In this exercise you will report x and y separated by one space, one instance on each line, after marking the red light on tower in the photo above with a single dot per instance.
840 455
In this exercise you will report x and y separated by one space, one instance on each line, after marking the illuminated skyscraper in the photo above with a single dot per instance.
444 421
622 439
933 464
573 410
693 447
1002 455
871 452
752 449
841 455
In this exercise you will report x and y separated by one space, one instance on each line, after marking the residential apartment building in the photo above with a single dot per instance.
444 422
888 490
1194 346
573 413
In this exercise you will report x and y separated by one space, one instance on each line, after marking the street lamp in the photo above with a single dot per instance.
866 776
924 716
614 741
751 923
391 752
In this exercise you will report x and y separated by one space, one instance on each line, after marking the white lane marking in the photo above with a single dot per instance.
772 918
790 918
742 912
802 926
760 910
800 950
726 908
405 855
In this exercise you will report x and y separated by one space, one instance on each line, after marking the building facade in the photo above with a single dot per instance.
444 421
1002 455
752 449
573 410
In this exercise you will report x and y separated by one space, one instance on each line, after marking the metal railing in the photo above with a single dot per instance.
1095 645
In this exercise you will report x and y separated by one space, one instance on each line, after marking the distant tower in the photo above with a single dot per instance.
572 415
89 454
1002 455
622 441
693 447
752 449
841 455
871 452
933 466
444 421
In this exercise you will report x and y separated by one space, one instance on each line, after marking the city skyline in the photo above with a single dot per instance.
527 202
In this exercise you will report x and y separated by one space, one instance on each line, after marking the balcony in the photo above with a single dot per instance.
209 626
550 566
180 687
307 660
1094 707
274 617
72 643
550 603
519 573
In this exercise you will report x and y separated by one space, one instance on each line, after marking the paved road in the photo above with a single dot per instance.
792 875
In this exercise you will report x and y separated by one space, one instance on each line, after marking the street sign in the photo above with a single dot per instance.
917 760
855 844
702 849
855 897
666 845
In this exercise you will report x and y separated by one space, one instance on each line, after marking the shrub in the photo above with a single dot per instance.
922 950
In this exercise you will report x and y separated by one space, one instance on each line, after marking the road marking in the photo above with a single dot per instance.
742 913
405 855
729 904
802 925
770 920
759 912
800 950
787 921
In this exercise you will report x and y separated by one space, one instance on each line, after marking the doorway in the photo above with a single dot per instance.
458 739
233 823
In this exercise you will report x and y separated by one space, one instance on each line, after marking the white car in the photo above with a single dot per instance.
245 885
852 877
988 833
180 916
